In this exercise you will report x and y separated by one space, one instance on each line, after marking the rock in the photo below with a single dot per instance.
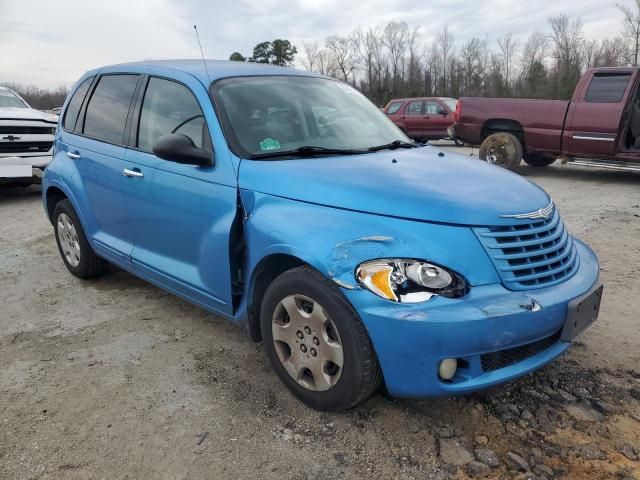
488 457
287 434
635 393
607 408
452 451
542 417
635 417
583 413
478 469
582 393
443 432
481 440
414 428
516 462
590 451
628 451
543 470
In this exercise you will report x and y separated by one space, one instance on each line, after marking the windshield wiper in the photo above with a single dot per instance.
393 145
307 150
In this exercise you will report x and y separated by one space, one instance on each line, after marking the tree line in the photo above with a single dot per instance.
391 61
40 98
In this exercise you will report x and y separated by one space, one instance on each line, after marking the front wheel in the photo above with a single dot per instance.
316 342
502 149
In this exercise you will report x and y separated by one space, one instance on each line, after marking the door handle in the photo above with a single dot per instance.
402 118
72 155
427 117
132 173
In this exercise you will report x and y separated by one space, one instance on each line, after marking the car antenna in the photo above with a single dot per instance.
202 53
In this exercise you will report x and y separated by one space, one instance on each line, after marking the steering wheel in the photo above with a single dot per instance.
183 123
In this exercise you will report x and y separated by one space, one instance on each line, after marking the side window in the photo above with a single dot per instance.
71 115
170 107
393 108
431 108
414 108
108 108
607 88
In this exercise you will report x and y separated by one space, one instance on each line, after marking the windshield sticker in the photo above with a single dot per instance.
269 144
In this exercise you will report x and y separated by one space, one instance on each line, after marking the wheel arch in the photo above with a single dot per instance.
496 125
52 196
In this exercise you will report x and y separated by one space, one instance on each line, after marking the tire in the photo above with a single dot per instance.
73 246
502 149
539 161
324 320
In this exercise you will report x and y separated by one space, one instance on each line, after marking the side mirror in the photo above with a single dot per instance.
442 111
179 148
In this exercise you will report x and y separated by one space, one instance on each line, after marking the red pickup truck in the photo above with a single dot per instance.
600 126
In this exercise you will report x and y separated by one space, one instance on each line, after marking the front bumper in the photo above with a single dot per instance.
28 169
411 339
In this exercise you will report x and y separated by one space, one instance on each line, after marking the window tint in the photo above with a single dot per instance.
414 108
393 108
108 108
607 88
71 115
170 107
431 108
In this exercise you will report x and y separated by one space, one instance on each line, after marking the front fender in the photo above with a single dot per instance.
335 241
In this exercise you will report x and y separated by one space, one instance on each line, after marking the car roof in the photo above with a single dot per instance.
419 98
215 69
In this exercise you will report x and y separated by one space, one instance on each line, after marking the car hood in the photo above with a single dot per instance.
26 114
423 184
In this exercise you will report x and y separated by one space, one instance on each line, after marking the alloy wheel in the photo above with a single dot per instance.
68 238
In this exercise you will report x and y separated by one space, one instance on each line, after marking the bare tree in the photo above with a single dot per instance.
631 24
395 37
310 50
568 41
445 42
509 50
343 53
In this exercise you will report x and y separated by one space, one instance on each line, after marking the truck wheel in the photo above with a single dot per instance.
538 160
316 342
502 149
73 246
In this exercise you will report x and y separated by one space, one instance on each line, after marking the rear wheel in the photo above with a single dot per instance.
534 160
502 149
316 342
73 246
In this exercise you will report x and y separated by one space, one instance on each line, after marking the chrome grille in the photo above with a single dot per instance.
529 255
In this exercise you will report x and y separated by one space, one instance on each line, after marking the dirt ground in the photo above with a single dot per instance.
114 378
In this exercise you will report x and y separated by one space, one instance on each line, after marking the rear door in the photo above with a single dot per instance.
95 143
594 116
413 119
180 215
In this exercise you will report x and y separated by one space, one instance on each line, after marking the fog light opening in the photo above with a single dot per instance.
447 368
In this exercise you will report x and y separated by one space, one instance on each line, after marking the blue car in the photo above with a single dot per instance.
288 203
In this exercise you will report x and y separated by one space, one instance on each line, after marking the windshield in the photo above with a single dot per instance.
10 99
270 114
450 103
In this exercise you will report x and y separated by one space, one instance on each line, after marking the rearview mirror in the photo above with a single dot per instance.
179 148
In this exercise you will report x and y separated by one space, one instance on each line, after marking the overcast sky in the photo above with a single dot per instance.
49 43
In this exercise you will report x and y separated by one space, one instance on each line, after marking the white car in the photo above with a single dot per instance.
26 139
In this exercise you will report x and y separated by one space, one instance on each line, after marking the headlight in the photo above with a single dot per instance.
409 281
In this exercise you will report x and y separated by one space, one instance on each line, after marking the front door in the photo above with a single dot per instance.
437 122
180 215
593 120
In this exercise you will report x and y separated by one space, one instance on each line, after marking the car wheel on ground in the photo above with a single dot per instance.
316 342
534 160
73 246
502 149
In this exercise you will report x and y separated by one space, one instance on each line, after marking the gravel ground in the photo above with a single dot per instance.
114 378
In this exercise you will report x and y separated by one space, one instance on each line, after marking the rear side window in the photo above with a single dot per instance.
393 108
414 108
170 107
108 108
71 115
607 88
431 108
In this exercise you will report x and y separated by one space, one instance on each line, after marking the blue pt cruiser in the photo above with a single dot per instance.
288 203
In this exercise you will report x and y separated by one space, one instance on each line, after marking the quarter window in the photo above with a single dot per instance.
170 107
393 108
414 108
607 88
71 115
108 108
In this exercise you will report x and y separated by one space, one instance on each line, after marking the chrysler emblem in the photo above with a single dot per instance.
542 213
